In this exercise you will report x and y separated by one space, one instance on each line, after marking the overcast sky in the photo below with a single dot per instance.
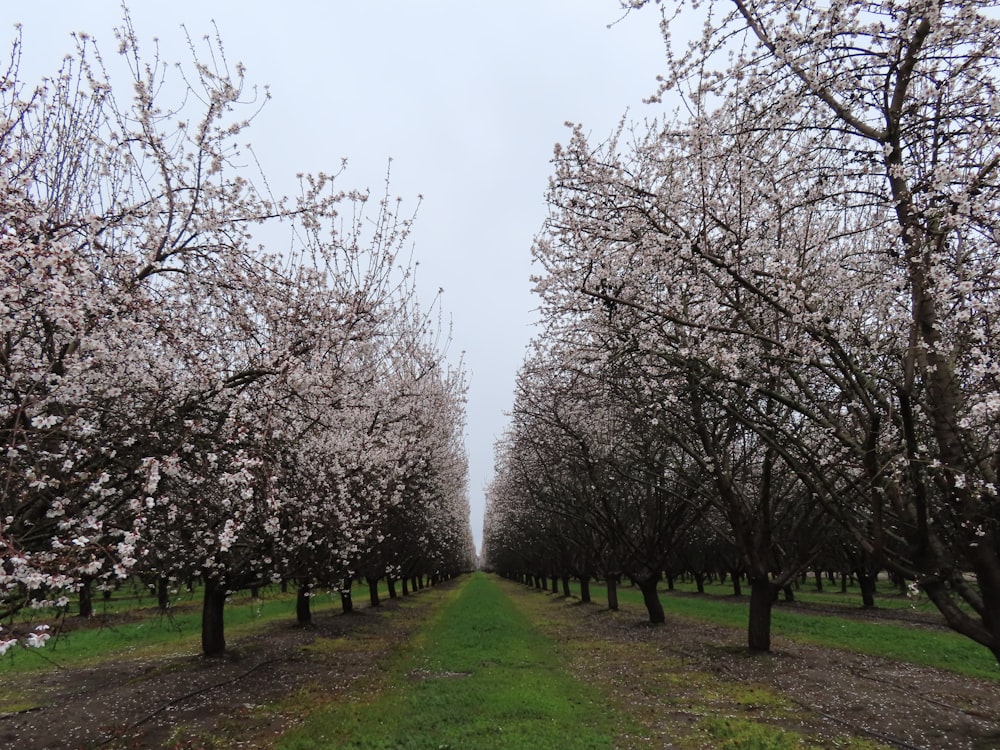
467 97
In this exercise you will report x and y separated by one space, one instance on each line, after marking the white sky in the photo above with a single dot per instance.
467 97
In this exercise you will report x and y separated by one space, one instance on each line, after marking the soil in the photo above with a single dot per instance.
189 702
247 699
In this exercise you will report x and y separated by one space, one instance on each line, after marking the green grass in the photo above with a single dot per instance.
887 595
130 623
740 734
915 645
478 676
149 633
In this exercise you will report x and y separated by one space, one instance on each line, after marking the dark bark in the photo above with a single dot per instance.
762 595
654 607
86 599
584 589
565 586
391 583
699 582
819 579
213 634
867 583
555 584
612 584
737 584
373 591
163 594
406 585
303 611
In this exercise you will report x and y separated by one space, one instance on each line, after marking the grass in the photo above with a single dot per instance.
887 596
130 623
740 734
150 633
477 675
915 645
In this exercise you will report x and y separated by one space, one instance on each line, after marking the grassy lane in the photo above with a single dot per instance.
476 675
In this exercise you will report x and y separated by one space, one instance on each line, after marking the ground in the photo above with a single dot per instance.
667 677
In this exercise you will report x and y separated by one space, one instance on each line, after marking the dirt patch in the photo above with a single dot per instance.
245 699
672 678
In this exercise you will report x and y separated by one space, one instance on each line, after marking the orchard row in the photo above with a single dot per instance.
770 323
176 402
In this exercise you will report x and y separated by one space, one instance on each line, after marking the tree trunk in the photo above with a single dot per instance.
86 599
612 583
555 584
736 578
789 593
565 586
303 612
762 595
406 585
163 594
819 579
867 583
346 602
213 634
391 582
699 582
373 591
584 588
651 599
